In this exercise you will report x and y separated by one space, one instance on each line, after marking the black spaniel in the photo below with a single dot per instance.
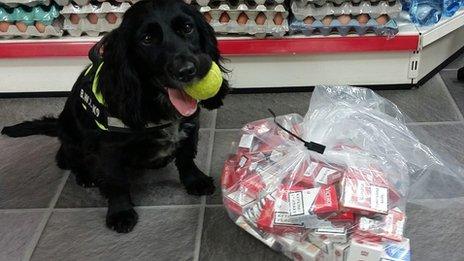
128 110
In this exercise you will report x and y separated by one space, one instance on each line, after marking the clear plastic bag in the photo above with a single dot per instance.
340 192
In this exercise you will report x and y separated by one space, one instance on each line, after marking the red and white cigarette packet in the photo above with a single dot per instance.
306 175
237 201
325 175
252 185
301 250
308 252
326 200
322 243
390 226
229 177
267 239
334 234
361 250
364 251
247 141
319 200
341 252
343 217
301 202
363 197
370 175
274 218
377 178
258 127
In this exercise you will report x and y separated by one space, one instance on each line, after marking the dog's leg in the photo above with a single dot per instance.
113 182
194 180
69 157
62 158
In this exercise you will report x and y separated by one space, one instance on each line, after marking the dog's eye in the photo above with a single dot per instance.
148 39
187 29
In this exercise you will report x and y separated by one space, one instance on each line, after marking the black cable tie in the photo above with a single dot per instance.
319 148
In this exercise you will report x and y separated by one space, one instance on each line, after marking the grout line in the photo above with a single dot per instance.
22 210
136 208
199 232
225 130
450 69
433 123
214 205
34 210
201 214
212 135
453 102
45 218
59 190
167 206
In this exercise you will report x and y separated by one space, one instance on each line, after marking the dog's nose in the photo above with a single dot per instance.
186 72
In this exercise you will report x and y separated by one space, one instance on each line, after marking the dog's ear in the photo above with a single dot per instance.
119 82
209 44
208 41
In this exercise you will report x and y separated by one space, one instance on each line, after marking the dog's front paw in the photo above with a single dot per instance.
461 74
199 185
123 221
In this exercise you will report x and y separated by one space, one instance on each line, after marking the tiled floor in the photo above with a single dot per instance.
44 215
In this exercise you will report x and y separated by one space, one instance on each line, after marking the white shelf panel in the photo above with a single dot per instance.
430 34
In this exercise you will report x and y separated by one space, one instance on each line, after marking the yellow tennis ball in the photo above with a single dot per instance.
208 86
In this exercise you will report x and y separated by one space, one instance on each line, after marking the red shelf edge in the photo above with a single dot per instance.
233 47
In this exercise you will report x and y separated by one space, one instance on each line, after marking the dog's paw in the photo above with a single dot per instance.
461 74
84 182
200 185
123 221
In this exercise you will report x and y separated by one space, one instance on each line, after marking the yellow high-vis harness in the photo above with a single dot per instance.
94 103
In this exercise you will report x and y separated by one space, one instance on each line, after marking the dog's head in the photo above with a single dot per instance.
160 45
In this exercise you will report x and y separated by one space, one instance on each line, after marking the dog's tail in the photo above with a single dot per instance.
45 126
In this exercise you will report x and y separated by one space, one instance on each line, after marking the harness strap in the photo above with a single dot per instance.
112 123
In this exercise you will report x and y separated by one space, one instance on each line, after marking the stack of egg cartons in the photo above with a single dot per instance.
345 17
92 18
26 18
254 17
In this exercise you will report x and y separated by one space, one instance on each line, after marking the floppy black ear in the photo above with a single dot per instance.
209 45
119 82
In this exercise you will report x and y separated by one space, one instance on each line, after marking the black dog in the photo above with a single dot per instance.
127 111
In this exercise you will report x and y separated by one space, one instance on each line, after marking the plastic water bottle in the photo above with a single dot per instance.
450 7
426 12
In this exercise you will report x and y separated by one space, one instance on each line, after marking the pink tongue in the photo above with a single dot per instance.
183 103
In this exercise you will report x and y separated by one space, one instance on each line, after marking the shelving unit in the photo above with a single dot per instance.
52 65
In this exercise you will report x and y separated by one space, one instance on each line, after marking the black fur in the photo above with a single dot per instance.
461 74
147 53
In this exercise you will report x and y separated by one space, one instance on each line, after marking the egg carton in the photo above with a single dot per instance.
15 3
101 8
53 30
29 15
79 24
303 3
87 2
390 28
393 9
250 27
236 2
